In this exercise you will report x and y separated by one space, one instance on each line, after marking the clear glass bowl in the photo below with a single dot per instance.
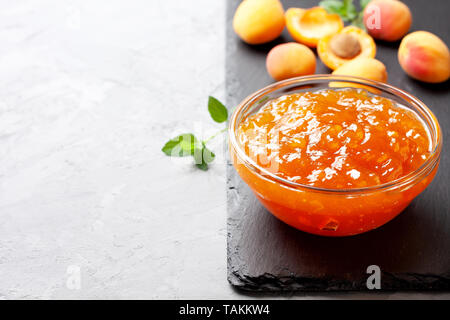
333 212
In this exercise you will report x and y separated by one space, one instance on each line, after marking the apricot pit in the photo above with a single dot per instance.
345 45
348 44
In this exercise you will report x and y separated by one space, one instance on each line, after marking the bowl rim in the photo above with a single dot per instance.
422 171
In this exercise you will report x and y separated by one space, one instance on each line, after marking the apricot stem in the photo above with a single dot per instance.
215 135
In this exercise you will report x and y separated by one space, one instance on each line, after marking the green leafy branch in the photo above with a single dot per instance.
185 145
346 10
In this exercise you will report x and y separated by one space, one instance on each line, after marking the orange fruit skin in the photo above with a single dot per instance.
425 57
387 20
368 68
289 60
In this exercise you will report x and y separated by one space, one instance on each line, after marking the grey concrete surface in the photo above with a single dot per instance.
89 205
89 92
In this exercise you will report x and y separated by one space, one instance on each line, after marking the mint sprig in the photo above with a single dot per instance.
217 110
346 10
203 157
181 146
187 144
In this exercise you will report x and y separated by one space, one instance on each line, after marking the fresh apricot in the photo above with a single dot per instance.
259 21
425 57
387 20
348 44
308 26
368 68
289 60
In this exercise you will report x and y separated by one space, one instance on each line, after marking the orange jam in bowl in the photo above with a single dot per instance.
334 162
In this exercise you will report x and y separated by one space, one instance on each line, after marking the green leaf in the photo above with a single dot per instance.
363 3
344 8
332 6
202 157
217 110
358 22
350 10
181 146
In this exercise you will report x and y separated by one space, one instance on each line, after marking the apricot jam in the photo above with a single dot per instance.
335 139
335 162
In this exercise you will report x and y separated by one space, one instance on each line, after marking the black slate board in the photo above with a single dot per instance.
413 250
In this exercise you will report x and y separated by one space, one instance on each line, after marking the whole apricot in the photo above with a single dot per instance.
387 20
259 21
425 57
289 60
368 68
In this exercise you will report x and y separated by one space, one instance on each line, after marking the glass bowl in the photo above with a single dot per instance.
333 212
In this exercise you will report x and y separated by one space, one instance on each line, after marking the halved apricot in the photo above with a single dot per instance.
348 44
308 26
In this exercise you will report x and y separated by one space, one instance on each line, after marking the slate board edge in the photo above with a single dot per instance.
270 283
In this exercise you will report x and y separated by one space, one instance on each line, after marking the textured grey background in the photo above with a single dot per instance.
89 93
